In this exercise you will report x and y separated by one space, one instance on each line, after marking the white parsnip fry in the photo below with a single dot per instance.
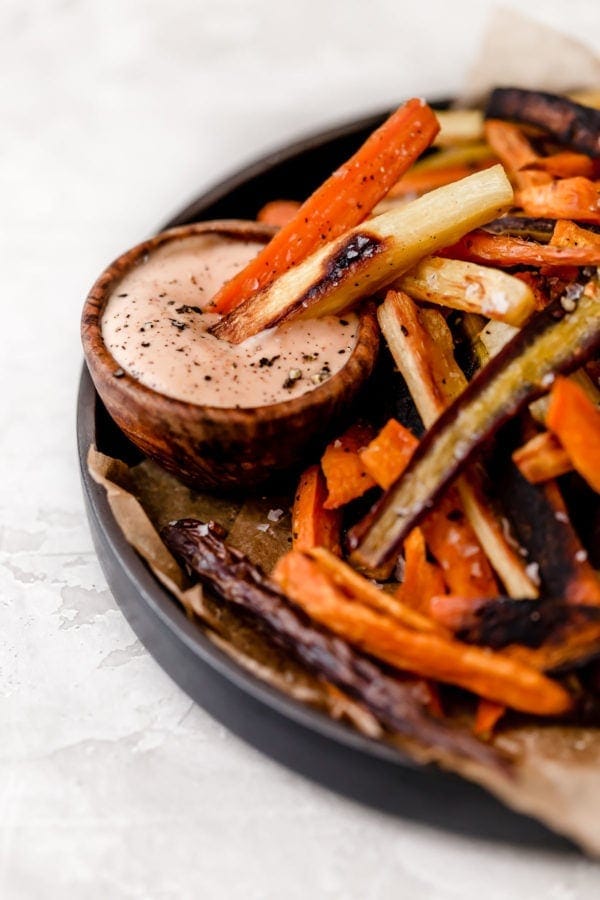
465 154
372 255
471 288
459 126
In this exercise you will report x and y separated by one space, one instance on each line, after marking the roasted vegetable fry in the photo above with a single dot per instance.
312 524
459 126
388 454
564 165
543 457
514 152
470 287
539 230
341 202
572 124
345 474
422 580
569 198
542 524
568 234
487 717
363 591
454 544
502 622
469 154
502 250
371 255
278 212
420 181
575 420
430 655
554 341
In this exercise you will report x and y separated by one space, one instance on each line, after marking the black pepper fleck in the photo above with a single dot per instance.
188 309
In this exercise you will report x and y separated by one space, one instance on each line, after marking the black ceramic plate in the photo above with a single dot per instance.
294 735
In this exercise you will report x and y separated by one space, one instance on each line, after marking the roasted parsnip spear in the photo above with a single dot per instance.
470 287
459 126
371 255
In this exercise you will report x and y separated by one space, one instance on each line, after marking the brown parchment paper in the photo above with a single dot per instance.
556 772
143 498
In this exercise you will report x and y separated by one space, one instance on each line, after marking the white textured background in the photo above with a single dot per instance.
112 784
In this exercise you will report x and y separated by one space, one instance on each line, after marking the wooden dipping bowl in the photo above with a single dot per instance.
207 446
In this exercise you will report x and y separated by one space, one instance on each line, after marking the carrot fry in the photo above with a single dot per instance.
503 250
342 466
471 154
569 198
278 212
487 717
452 610
566 164
574 419
312 524
386 457
514 152
422 579
568 234
453 542
487 673
580 644
341 202
361 590
418 182
434 700
543 457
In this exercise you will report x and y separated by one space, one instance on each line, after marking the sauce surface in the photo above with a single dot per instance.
156 323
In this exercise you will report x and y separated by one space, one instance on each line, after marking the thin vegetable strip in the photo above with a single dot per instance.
341 202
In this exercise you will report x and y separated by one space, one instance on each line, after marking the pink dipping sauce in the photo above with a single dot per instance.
156 323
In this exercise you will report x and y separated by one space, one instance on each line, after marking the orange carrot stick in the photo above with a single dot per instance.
569 198
487 717
514 152
453 610
422 579
389 452
490 674
502 250
543 457
278 212
344 471
566 164
421 181
575 420
568 234
453 542
359 589
341 202
312 524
